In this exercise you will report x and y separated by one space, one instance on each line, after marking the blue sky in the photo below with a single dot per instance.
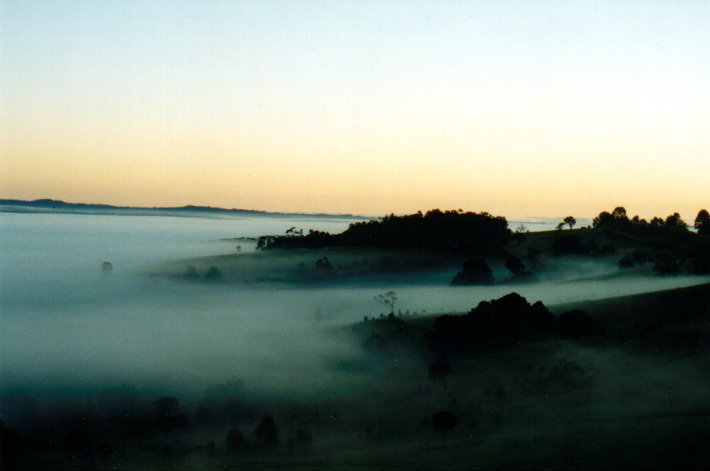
524 108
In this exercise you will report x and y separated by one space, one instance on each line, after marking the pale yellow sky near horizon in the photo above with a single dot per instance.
359 107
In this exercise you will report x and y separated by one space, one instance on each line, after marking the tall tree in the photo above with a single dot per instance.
674 220
702 222
619 214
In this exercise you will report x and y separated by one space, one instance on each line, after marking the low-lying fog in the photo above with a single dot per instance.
66 323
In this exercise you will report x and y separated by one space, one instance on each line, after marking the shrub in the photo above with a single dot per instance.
235 441
213 274
667 266
266 432
474 272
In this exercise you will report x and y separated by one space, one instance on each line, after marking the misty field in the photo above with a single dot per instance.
196 350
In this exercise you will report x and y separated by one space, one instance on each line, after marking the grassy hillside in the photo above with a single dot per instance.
635 396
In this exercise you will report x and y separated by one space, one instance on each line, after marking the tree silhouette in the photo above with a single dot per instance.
454 231
235 441
515 266
294 231
474 272
9 444
702 222
603 219
266 432
674 220
167 414
570 221
616 218
439 370
619 214
324 264
388 299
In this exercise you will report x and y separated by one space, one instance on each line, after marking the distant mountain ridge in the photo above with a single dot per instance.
14 205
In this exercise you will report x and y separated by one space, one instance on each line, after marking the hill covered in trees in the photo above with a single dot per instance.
454 231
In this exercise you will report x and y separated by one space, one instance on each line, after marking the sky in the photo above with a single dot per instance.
518 108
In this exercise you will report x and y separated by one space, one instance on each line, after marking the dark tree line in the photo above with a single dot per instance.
618 218
670 246
702 223
455 231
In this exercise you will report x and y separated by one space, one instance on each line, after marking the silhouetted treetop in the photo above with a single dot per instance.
474 272
616 217
619 214
674 220
455 230
702 222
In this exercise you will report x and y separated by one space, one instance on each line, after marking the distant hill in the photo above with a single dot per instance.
50 205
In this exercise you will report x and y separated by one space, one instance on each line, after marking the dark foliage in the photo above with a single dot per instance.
641 257
266 432
376 343
534 254
439 370
575 244
567 373
388 299
386 334
675 221
474 272
626 262
223 411
616 218
577 324
569 244
665 266
517 268
235 441
167 414
700 264
514 265
324 264
667 242
456 231
9 445
444 421
702 222
489 323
